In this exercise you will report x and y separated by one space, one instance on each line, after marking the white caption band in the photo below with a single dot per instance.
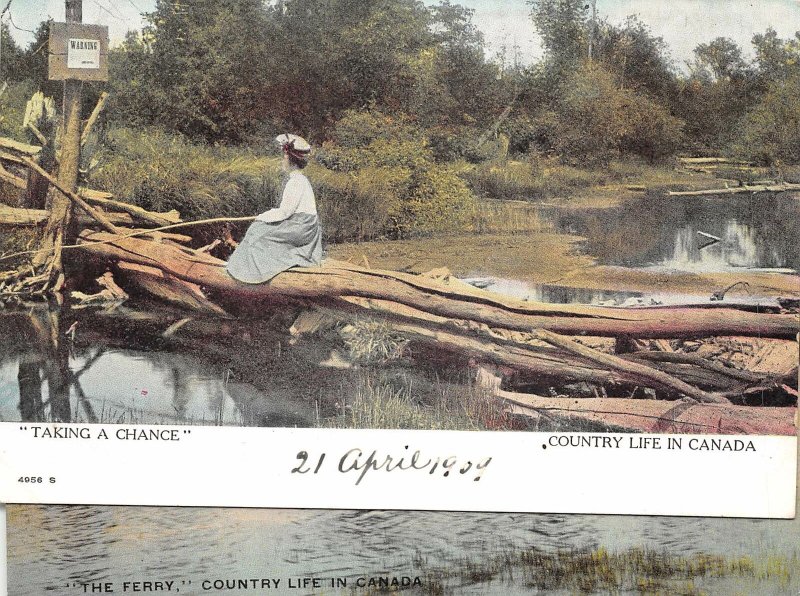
704 475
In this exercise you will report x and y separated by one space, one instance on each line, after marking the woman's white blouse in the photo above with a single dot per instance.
298 197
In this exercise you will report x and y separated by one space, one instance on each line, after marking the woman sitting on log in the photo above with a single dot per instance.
287 236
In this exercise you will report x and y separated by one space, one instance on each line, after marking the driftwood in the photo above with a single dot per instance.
641 415
18 147
752 188
105 199
111 292
19 216
88 209
95 197
8 177
336 279
87 129
177 291
690 359
638 415
632 368
654 416
712 161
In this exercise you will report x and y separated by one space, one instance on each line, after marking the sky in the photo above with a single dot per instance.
682 23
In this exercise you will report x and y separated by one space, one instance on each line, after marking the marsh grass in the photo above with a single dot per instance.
541 178
161 171
386 399
642 570
493 216
372 342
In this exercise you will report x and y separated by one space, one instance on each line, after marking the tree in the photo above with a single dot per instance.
770 132
596 120
721 88
11 66
197 68
562 25
640 60
776 58
720 59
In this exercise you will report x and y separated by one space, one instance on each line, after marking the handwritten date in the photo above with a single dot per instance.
360 462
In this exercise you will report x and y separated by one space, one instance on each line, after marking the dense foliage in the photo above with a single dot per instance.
404 105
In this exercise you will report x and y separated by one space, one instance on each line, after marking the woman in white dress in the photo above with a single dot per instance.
288 235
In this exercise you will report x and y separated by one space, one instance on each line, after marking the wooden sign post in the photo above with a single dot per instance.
78 53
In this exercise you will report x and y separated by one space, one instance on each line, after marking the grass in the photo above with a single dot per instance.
160 171
537 179
641 570
541 179
372 342
381 399
494 216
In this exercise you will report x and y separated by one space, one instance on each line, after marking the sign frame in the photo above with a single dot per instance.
58 55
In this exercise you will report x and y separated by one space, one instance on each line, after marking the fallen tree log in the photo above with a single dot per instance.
177 291
680 358
654 416
337 279
9 178
736 190
111 293
695 371
97 197
713 160
632 368
20 216
23 148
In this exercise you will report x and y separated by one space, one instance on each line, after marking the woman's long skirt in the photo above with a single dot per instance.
269 248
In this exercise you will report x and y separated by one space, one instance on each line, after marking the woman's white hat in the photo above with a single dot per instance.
293 144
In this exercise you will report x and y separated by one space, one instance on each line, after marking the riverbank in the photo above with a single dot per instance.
554 259
621 232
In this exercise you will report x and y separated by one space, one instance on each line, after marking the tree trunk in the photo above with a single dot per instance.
336 279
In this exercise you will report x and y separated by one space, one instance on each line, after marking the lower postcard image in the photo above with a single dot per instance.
137 550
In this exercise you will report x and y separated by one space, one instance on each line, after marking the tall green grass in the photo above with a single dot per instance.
160 171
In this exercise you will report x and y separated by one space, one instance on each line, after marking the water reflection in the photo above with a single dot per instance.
120 368
757 231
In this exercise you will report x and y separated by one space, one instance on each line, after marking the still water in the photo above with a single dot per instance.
754 232
120 367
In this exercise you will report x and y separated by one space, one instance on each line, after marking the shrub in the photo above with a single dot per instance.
12 110
513 180
596 120
468 143
380 179
770 133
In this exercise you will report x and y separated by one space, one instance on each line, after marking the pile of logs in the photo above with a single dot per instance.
713 165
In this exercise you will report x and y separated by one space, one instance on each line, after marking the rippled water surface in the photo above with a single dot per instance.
52 547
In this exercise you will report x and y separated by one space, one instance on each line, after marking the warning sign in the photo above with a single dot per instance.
83 53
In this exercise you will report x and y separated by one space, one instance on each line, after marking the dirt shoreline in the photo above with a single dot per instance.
553 259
